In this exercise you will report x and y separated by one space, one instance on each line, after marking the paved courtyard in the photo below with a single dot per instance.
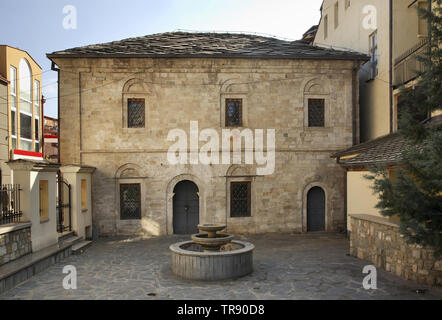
313 266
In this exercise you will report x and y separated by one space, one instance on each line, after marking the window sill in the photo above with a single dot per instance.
329 129
84 210
44 221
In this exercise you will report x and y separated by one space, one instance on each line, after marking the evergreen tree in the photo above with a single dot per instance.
413 191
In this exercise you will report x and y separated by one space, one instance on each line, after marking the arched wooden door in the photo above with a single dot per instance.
185 208
316 209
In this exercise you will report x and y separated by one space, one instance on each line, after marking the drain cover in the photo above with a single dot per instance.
152 294
420 291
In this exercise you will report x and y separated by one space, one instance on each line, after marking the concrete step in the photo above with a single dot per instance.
81 246
65 235
15 272
72 240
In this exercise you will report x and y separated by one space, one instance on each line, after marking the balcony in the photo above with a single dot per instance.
406 64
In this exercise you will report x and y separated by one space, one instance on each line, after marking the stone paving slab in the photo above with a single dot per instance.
287 266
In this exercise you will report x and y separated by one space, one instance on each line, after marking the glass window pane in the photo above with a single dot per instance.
25 78
25 145
13 123
36 92
36 128
26 126
25 106
13 76
13 102
37 147
14 143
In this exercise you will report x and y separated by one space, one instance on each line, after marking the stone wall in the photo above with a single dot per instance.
93 98
378 240
15 242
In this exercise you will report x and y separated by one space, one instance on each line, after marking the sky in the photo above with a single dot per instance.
37 26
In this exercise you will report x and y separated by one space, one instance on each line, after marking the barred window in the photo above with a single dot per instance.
316 112
240 199
130 201
233 112
135 113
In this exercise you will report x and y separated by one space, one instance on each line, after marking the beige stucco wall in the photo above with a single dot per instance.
351 34
180 90
360 196
406 27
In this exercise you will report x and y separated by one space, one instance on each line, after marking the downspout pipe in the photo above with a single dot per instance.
54 68
390 80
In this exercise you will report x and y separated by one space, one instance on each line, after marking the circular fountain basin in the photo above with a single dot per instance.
234 260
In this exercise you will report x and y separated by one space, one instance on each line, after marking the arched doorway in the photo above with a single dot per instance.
316 209
185 208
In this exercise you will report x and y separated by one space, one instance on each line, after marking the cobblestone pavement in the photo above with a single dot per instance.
307 266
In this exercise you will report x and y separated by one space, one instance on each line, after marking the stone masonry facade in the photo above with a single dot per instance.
15 244
377 240
93 132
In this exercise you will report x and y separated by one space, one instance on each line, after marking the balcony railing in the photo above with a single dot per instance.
406 65
10 203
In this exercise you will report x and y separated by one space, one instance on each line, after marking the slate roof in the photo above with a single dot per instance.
386 150
3 80
206 45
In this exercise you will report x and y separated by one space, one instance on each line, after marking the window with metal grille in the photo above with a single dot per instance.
135 113
373 55
130 201
240 199
316 112
233 112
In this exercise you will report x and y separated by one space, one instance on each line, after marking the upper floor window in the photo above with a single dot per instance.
336 14
325 26
316 108
373 55
25 78
234 112
423 23
135 113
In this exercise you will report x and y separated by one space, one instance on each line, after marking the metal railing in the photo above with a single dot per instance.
10 203
407 65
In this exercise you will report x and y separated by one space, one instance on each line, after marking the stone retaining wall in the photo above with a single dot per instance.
378 240
15 242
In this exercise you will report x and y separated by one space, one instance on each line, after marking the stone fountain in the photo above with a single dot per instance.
212 255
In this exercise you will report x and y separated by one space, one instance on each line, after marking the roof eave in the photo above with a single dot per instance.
166 56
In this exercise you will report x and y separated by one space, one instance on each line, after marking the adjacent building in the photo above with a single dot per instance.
50 135
120 101
395 36
24 105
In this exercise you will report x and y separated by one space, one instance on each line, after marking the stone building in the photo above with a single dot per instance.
119 101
